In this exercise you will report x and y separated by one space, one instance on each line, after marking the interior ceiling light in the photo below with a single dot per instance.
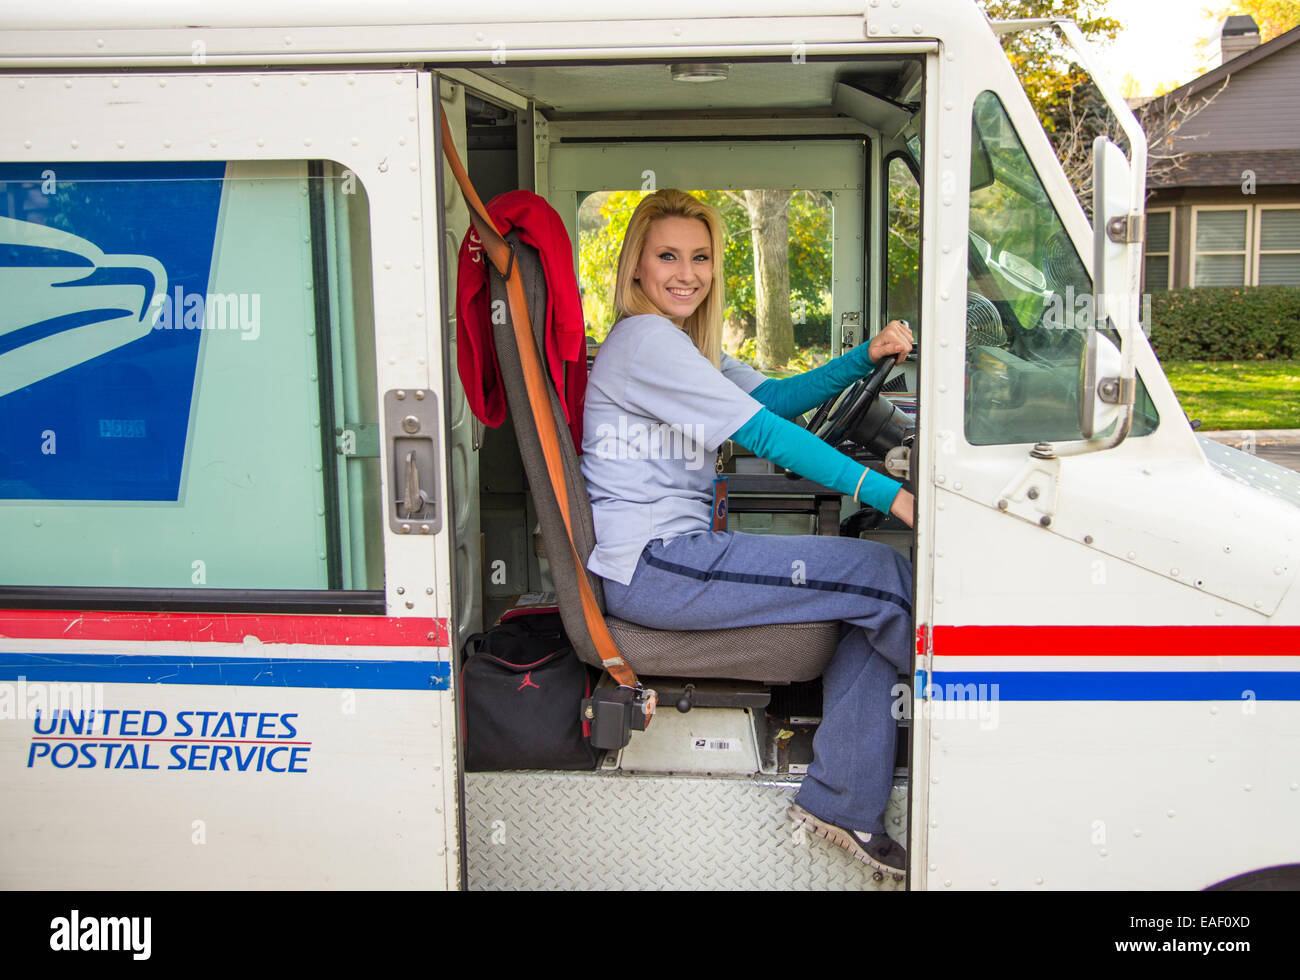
696 72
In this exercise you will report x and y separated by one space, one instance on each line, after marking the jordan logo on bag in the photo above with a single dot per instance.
528 682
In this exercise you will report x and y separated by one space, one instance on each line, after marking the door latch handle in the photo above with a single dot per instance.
414 499
412 424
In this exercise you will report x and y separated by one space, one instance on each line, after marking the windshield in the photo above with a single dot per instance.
1029 299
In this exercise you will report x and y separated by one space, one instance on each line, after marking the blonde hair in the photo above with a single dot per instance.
704 326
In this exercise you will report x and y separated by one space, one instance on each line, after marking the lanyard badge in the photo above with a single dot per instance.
720 503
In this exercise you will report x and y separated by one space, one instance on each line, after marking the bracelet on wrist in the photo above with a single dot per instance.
858 488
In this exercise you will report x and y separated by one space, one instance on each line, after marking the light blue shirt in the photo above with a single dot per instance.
656 413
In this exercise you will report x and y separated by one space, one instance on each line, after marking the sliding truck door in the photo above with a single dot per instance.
224 579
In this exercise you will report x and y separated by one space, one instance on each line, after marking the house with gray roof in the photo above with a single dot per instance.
1225 209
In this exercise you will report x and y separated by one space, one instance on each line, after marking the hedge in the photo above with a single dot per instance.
1226 323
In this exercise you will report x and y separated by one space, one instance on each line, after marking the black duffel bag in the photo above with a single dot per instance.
521 692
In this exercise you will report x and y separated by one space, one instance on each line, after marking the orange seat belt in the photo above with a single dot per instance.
498 251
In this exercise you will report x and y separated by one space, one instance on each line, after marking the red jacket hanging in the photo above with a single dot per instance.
540 226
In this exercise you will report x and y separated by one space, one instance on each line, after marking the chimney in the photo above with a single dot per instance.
1238 35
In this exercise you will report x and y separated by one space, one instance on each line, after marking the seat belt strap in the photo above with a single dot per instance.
501 255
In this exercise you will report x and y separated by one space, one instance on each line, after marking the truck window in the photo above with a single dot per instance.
903 246
1029 300
794 225
187 377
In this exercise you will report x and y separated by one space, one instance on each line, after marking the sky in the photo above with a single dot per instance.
1158 42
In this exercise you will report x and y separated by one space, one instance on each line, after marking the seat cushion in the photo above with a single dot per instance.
777 654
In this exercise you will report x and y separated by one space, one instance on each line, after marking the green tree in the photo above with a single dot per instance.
787 267
810 267
1039 57
1069 106
769 229
903 245
602 222
789 331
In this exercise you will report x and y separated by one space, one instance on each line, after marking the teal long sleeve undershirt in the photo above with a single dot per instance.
788 397
785 443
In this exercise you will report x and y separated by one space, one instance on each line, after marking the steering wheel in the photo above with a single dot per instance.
836 416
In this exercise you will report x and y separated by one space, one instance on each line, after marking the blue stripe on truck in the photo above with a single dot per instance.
379 675
1113 685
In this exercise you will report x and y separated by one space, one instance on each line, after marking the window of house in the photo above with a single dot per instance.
1279 246
1158 268
1220 241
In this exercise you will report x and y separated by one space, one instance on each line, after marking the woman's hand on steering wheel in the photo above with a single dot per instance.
896 338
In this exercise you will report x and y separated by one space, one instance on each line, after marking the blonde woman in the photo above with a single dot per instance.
661 399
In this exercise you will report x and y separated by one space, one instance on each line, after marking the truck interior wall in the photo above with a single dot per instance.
463 430
510 562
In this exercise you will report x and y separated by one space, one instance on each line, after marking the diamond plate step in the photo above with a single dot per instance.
612 830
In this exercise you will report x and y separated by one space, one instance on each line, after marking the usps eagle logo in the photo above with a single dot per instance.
67 302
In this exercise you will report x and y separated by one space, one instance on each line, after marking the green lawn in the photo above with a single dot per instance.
1238 395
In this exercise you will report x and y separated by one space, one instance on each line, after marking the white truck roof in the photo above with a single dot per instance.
68 33
198 14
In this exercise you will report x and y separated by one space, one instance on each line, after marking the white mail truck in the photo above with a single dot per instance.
247 521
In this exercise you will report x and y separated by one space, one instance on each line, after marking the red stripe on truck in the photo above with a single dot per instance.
1113 641
361 631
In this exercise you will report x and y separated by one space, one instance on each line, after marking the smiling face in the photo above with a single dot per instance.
676 267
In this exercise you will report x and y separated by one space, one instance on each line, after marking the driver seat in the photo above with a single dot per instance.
776 654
